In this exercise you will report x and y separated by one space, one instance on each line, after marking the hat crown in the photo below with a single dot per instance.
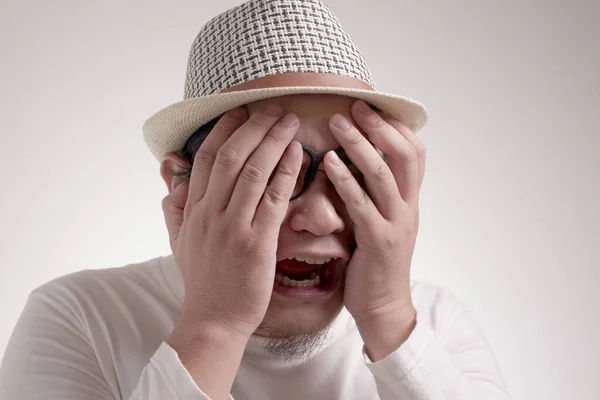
267 37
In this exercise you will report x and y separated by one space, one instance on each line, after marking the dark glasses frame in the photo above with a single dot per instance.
315 159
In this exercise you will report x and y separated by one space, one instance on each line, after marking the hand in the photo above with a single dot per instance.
224 224
386 219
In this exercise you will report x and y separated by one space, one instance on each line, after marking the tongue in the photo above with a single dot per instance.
295 267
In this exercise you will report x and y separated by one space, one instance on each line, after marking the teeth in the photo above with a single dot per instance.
284 280
312 260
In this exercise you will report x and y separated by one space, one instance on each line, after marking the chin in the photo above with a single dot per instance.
285 318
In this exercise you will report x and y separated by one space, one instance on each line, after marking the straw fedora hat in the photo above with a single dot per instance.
260 39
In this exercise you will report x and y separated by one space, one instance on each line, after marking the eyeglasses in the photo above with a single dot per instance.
310 158
310 165
308 169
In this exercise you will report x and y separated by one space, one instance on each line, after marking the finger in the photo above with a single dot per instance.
173 206
205 157
414 140
359 205
401 154
377 175
253 178
232 156
273 206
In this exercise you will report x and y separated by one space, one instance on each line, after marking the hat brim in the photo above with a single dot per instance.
169 129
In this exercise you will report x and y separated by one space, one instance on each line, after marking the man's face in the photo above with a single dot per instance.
316 225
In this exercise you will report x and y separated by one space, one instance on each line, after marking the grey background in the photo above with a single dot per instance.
509 207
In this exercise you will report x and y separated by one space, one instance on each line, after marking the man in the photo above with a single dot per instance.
293 214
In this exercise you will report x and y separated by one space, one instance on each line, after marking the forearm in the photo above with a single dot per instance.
423 369
445 355
211 356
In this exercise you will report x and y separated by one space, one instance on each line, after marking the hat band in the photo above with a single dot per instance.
290 79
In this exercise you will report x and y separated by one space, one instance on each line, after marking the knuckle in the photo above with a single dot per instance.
355 137
242 240
376 232
199 218
389 242
375 121
361 199
228 156
287 170
275 194
382 173
411 153
258 121
275 136
204 157
399 126
204 222
253 173
346 177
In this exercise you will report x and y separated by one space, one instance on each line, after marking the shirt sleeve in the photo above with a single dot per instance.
446 357
165 377
49 356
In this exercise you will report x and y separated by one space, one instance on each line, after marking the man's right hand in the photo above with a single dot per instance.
225 238
223 227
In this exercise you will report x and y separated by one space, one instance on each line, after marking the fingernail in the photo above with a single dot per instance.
289 120
363 108
274 110
294 149
334 159
341 122
238 112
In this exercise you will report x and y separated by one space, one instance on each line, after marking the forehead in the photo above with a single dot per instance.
314 112
307 103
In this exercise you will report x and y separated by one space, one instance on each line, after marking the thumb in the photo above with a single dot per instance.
173 206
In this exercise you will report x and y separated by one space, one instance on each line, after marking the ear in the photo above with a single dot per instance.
172 164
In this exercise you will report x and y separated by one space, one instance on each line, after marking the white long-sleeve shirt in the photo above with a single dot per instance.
101 334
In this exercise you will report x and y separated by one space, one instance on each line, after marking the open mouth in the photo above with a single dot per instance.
308 272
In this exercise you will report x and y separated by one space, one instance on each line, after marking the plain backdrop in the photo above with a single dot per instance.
510 219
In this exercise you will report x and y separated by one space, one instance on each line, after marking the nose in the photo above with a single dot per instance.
315 211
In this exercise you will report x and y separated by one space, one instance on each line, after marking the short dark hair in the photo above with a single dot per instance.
191 148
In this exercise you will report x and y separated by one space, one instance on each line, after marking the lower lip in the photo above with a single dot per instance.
309 293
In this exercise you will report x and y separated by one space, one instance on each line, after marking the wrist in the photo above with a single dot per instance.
193 336
210 353
383 334
193 327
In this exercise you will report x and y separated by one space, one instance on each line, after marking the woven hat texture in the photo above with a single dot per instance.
268 37
261 38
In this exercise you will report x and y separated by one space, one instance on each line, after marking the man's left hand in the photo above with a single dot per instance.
386 221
